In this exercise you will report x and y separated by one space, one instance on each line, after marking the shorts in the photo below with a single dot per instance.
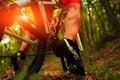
66 2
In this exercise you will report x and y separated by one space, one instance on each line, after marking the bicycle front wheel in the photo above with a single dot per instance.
37 61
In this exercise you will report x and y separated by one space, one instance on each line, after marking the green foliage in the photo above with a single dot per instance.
101 70
105 62
4 58
20 75
50 57
57 12
97 23
34 77
105 72
57 0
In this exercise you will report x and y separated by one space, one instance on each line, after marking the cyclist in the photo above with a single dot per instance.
61 48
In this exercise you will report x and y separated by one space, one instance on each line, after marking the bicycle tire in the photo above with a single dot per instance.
37 61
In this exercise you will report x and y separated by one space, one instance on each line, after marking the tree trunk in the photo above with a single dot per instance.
112 18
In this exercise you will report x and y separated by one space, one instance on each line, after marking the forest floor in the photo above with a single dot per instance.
102 64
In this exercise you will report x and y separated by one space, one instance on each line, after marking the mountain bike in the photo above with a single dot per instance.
46 36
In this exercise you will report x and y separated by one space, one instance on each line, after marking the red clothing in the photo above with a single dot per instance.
66 2
6 17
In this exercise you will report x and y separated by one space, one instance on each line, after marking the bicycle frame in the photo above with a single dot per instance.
43 13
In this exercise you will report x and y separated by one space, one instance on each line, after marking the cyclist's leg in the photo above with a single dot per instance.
21 53
15 60
72 25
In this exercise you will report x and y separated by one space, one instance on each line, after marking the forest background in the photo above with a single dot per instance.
99 32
